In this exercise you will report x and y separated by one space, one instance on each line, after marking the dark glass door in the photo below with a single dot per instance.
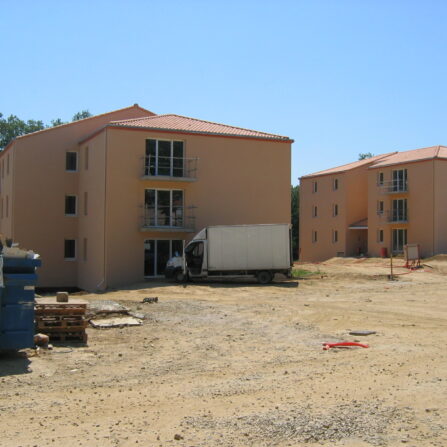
164 158
177 160
163 255
399 240
163 208
149 258
400 180
151 157
157 254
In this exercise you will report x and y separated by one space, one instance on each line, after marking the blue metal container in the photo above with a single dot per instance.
17 303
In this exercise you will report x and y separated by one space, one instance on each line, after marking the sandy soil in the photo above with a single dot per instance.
243 365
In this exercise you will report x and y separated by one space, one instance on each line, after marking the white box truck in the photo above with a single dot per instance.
235 251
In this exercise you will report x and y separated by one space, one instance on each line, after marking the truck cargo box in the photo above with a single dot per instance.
249 247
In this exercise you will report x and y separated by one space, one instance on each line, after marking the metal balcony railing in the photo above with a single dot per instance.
394 186
397 216
169 220
176 168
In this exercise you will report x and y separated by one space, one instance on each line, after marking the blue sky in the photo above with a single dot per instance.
340 77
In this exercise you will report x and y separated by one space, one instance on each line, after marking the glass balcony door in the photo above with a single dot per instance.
399 210
164 208
399 180
399 240
157 253
164 158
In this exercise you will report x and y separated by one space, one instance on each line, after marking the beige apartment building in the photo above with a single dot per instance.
107 200
376 206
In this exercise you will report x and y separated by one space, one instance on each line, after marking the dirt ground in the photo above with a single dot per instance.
243 365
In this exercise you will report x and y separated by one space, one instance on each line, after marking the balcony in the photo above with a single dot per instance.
397 216
163 221
394 187
172 169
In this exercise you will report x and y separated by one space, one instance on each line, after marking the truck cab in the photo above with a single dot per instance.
192 265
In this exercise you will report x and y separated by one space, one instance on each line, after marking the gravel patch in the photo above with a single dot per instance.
368 422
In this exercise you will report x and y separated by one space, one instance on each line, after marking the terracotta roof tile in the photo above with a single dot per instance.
426 153
392 158
349 166
192 125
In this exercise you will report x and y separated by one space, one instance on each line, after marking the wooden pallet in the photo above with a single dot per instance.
61 321
49 306
78 336
62 324
58 310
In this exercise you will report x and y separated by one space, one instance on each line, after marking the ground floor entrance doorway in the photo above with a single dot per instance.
399 239
156 255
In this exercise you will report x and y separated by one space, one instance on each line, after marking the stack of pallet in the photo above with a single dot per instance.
62 321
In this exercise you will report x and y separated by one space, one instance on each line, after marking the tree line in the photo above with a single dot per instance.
13 127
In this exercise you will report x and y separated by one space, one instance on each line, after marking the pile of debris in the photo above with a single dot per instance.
65 319
104 314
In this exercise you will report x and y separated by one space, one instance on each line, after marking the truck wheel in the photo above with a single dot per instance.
179 276
264 277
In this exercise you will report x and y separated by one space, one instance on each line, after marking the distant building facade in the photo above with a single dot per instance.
107 200
376 205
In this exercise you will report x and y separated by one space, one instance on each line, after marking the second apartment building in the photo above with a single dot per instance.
376 206
107 200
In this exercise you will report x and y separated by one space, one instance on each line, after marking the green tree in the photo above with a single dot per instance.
295 218
57 122
81 115
13 127
365 155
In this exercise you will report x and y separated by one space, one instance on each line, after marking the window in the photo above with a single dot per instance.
380 236
86 158
399 240
335 209
314 236
315 211
7 165
85 249
70 205
335 184
334 236
399 211
85 203
164 158
379 207
163 208
70 249
399 181
380 178
314 187
71 161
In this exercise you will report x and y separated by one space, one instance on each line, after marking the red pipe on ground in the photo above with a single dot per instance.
343 344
